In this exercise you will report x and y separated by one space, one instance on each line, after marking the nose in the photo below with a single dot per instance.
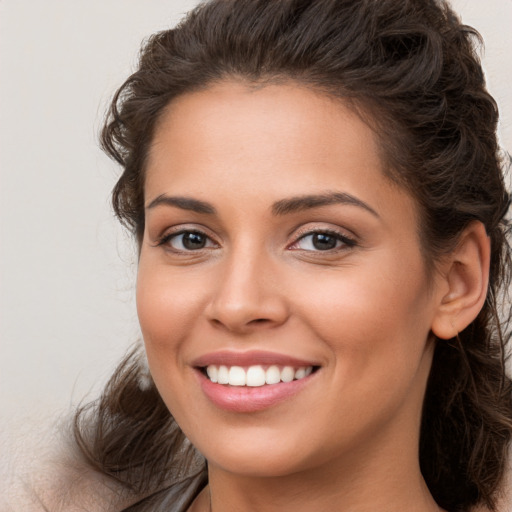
248 295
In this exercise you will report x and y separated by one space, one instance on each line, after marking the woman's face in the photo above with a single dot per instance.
276 249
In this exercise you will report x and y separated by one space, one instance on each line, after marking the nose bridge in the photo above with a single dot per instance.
246 293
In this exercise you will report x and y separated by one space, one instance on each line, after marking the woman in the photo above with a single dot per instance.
316 191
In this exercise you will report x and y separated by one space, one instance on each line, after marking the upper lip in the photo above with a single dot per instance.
250 358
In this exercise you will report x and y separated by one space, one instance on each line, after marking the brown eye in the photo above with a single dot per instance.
187 241
193 240
323 241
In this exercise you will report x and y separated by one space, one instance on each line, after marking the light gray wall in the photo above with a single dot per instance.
66 269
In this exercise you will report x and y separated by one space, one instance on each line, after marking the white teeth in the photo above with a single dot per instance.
255 376
222 375
237 376
287 374
212 373
273 375
299 374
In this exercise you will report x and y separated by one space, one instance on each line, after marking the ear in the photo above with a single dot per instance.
465 277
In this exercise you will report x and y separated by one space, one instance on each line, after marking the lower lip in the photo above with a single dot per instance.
251 399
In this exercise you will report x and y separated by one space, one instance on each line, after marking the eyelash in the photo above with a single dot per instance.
166 239
347 242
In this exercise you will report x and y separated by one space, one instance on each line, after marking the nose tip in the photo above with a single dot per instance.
244 300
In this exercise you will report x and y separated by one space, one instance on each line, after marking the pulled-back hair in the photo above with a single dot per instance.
410 69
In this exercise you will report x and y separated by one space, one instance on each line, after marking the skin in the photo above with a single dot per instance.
363 311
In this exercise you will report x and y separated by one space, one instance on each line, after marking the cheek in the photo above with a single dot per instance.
372 322
376 329
166 317
167 307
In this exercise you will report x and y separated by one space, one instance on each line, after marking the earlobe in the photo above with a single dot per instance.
466 277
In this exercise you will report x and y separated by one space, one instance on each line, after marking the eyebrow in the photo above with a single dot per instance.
306 202
185 203
282 207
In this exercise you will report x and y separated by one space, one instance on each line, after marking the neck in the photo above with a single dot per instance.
375 485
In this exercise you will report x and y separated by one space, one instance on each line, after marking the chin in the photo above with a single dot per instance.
251 456
256 466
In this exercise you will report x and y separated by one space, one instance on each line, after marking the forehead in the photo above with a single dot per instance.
234 137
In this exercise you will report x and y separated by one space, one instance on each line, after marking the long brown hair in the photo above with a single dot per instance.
410 68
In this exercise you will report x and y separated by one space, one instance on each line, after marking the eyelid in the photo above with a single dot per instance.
349 240
180 229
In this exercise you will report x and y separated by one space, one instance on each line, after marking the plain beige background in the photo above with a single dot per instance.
66 269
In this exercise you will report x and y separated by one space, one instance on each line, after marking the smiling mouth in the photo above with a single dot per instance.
256 375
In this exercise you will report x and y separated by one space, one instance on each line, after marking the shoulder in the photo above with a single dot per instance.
40 470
